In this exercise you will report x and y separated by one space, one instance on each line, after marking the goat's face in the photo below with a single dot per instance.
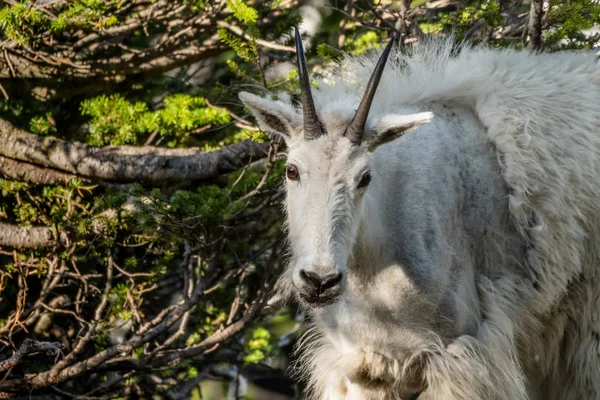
328 173
327 179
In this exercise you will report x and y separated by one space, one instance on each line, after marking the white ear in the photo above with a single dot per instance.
272 116
393 126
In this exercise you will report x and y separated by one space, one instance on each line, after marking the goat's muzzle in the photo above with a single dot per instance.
318 290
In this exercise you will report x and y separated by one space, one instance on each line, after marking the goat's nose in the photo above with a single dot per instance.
318 283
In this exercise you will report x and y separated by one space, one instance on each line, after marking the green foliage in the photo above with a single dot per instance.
242 11
247 50
11 187
118 300
567 20
101 342
327 52
197 5
117 121
490 13
85 14
364 42
458 23
258 346
42 125
22 23
114 120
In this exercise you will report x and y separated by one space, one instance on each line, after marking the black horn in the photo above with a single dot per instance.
355 130
312 126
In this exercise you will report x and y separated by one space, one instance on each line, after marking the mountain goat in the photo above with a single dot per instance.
444 227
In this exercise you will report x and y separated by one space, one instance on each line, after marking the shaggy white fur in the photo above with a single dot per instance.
542 112
540 334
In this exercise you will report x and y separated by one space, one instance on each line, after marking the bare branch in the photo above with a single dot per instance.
27 347
264 43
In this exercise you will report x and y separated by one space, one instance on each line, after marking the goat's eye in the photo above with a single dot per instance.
365 180
292 172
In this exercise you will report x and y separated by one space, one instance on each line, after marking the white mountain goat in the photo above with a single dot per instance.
445 233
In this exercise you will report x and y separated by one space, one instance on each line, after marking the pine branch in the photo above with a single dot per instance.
264 43
78 64
47 76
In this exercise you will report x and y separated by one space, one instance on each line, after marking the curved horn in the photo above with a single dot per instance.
355 130
312 126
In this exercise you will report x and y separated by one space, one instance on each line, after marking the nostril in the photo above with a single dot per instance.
318 283
330 281
311 279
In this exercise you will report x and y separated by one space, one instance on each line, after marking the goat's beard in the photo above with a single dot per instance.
333 374
377 372
467 368
457 372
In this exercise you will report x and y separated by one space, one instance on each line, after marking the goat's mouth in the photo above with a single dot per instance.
318 300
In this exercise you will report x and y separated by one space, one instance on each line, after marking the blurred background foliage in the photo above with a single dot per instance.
160 287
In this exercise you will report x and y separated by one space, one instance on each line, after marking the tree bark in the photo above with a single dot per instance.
28 237
29 346
25 172
535 24
145 164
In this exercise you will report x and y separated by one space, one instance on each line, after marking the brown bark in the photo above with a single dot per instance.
535 24
28 237
25 172
124 163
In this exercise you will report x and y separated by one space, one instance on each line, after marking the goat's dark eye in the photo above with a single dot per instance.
365 180
292 172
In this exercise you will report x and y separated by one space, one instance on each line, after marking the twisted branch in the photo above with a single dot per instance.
29 346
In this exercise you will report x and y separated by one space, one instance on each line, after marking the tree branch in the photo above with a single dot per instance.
93 76
535 24
27 347
28 237
25 172
264 43
106 59
124 163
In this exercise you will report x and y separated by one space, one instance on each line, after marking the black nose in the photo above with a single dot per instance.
318 284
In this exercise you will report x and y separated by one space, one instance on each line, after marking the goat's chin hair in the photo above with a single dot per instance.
464 370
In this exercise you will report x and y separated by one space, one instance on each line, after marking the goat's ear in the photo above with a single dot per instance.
393 126
272 116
